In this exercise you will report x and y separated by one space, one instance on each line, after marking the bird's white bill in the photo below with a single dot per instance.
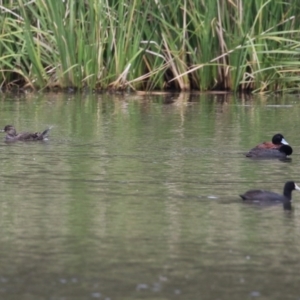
297 187
284 142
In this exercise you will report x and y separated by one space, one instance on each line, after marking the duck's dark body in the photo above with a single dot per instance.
280 152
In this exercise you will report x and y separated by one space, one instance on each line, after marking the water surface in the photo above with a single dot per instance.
136 197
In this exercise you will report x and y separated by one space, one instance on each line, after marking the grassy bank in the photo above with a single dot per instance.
156 44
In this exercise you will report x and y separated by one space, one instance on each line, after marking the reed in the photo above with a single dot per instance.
119 44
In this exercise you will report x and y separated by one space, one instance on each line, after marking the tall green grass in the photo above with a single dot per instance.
234 45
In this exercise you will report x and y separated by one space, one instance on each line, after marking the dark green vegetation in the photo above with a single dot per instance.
118 44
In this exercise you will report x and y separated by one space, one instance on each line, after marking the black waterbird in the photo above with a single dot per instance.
262 196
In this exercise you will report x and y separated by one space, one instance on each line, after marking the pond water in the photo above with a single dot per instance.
136 197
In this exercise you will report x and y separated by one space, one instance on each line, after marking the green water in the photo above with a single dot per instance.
136 197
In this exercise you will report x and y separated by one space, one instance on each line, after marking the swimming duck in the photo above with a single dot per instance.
278 148
261 196
12 135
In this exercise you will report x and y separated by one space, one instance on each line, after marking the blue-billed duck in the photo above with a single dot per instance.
278 148
12 135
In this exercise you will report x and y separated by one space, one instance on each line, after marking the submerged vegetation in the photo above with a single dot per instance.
235 45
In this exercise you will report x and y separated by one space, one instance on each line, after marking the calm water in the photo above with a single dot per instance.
136 197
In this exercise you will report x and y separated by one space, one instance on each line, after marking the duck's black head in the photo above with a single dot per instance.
279 139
